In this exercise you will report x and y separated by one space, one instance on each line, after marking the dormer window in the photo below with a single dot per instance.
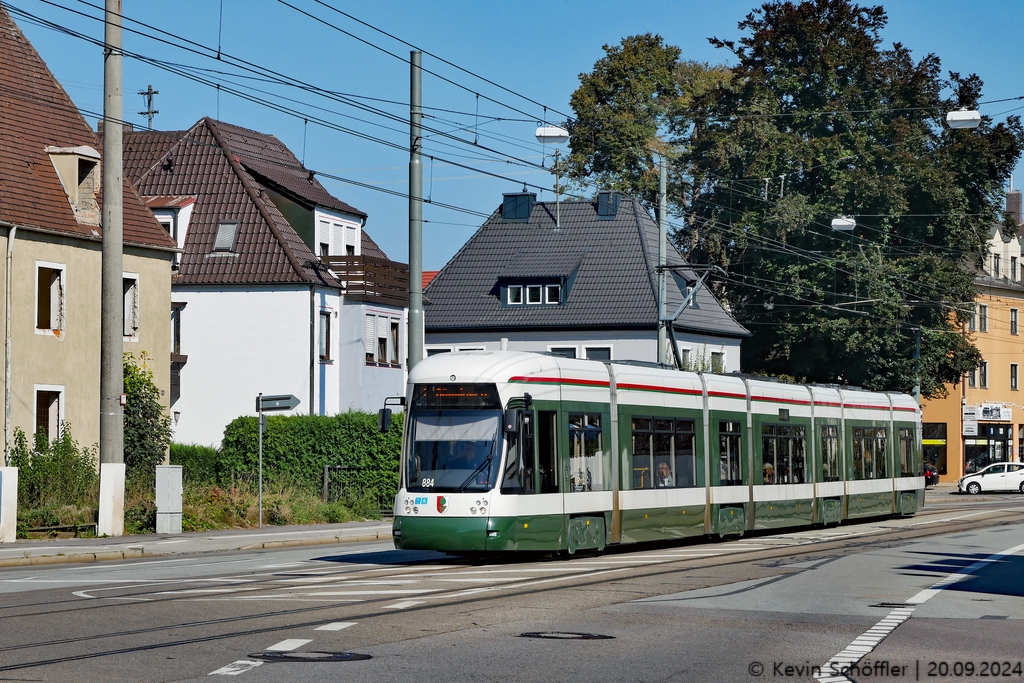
549 293
78 169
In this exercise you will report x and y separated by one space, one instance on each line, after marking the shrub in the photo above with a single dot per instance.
147 426
55 475
296 448
199 463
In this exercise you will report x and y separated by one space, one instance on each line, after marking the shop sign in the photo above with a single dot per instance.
970 420
996 411
975 442
933 442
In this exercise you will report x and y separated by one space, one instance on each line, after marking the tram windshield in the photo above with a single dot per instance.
453 450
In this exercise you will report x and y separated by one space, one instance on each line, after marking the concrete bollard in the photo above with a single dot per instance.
168 499
111 513
8 504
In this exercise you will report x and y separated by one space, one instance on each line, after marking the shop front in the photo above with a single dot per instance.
993 443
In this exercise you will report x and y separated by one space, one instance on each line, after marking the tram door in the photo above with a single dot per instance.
531 475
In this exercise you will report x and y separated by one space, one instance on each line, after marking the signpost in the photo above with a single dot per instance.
266 404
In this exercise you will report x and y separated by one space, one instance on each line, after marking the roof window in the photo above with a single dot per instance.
78 169
227 231
608 204
518 206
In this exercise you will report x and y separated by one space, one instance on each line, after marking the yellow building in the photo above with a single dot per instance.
981 421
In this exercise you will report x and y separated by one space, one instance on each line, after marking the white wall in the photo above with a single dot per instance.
240 341
625 344
337 230
362 386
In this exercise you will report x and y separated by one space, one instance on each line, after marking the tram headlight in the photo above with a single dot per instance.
483 511
408 509
415 511
472 511
478 503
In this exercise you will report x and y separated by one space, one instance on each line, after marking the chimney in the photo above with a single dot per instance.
608 204
127 127
1014 207
517 206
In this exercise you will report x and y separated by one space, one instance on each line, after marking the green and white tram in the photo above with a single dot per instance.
507 451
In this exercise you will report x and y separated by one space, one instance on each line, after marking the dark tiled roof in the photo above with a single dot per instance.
36 113
272 163
609 266
198 162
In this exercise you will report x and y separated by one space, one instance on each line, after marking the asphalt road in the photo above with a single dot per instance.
730 611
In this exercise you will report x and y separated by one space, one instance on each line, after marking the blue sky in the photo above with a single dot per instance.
537 49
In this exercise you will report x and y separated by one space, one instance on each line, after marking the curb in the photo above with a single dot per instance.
138 552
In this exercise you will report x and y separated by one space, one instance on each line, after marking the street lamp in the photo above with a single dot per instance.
554 135
843 223
963 118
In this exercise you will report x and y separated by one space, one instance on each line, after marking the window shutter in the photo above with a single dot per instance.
370 334
352 239
383 327
338 239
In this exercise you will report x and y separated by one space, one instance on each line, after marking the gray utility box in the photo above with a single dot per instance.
168 499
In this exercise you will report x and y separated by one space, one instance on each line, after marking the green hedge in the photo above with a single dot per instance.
296 448
199 463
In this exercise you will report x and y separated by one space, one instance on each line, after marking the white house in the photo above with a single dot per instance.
276 285
584 288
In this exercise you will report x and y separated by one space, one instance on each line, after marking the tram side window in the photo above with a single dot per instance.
586 454
782 454
518 475
907 468
830 453
729 439
869 453
663 455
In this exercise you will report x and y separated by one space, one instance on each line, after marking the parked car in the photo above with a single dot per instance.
931 474
1002 476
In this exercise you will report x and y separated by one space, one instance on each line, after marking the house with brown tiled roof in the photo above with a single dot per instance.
50 230
278 290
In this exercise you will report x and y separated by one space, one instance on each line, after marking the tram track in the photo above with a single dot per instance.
373 608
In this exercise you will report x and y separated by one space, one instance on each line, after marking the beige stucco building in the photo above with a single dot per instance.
981 421
50 234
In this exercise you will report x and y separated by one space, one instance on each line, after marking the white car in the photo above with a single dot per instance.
1002 476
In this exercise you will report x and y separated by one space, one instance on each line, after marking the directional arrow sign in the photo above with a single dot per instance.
282 402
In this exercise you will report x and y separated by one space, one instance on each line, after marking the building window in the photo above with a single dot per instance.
598 352
1013 321
983 374
995 265
563 351
226 233
381 339
1013 377
50 298
684 356
515 295
1013 267
325 335
972 379
983 318
176 328
48 412
533 294
553 294
717 361
130 290
325 249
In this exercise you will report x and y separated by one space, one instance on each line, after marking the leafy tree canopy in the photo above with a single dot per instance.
816 118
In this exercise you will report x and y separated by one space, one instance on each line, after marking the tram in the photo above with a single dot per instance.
505 451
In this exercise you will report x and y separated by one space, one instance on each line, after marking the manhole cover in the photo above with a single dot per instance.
889 605
309 656
565 635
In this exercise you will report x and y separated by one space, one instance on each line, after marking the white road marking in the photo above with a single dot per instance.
235 668
335 626
288 645
399 592
835 669
198 590
404 605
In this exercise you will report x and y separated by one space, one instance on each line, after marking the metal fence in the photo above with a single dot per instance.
342 483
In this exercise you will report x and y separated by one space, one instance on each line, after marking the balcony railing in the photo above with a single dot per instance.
371 279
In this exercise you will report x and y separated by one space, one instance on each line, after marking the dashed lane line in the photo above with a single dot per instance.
836 669
404 605
288 645
235 668
335 626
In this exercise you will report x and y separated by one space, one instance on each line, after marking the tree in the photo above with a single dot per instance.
147 427
817 119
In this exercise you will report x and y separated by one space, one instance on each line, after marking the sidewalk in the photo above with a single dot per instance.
65 550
